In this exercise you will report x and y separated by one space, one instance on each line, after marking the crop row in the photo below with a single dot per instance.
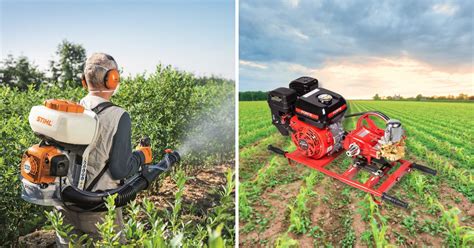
451 124
255 135
456 132
443 148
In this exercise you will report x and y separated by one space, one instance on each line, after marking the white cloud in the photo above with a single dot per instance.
297 68
252 64
292 3
299 34
445 9
362 77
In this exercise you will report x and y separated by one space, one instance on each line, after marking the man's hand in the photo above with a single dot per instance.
145 148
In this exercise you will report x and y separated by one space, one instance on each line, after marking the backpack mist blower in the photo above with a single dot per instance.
68 133
313 117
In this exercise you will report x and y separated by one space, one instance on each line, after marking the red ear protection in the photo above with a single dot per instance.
84 83
112 79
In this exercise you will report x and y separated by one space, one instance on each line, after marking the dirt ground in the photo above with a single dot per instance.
200 192
329 215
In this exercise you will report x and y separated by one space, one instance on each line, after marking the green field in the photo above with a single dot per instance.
284 206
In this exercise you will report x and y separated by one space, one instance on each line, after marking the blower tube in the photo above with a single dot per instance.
84 201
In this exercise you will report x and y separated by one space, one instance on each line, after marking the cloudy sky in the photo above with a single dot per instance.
359 48
196 36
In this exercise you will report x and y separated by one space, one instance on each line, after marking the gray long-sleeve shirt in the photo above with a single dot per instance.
122 161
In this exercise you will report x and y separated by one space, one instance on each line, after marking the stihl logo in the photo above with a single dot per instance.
44 121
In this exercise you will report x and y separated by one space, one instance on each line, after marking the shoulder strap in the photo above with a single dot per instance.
96 179
102 106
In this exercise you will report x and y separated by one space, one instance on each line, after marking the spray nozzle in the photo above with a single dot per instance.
172 155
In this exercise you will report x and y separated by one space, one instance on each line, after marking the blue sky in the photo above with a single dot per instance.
196 36
359 48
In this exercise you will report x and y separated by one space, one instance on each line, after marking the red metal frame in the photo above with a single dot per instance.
351 172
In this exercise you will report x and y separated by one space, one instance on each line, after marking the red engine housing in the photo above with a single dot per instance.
310 140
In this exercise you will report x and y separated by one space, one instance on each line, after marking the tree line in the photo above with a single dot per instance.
420 97
20 72
253 95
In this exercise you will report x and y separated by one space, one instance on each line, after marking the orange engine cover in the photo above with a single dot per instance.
310 140
36 163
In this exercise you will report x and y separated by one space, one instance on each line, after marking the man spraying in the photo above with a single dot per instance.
111 160
85 153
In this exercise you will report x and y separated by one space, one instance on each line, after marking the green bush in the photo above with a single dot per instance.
168 106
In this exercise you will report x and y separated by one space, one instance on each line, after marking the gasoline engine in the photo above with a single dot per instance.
313 117
68 132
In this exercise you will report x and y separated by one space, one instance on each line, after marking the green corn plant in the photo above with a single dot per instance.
419 184
364 209
410 223
370 212
245 210
284 241
312 178
266 176
298 223
298 215
299 219
432 204
457 235
267 173
350 236
378 233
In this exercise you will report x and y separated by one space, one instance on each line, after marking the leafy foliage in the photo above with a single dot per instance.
163 106
19 73
71 62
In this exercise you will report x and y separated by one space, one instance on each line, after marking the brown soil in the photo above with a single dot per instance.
428 240
333 212
278 199
41 238
358 225
247 172
449 196
200 191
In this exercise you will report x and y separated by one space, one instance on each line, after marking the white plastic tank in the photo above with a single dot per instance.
64 121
